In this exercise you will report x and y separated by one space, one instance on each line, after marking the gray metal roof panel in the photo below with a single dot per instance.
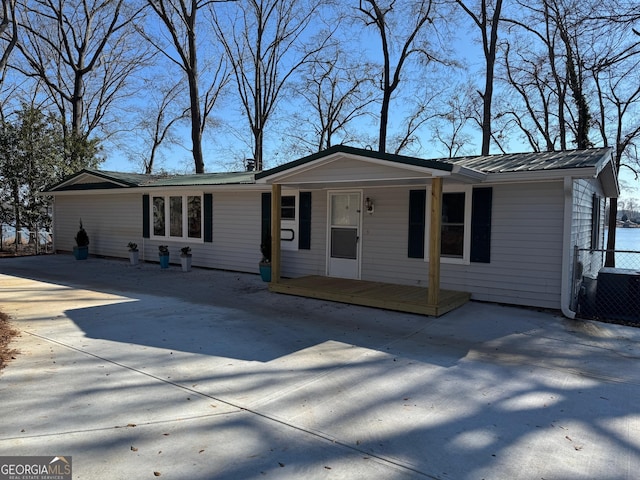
533 161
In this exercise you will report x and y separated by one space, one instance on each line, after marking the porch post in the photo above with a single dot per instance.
276 194
435 225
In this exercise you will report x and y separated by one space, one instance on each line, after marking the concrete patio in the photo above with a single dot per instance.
141 373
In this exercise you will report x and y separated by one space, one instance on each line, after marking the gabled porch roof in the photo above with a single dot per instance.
348 166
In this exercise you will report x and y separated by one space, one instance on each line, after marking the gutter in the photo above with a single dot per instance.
567 252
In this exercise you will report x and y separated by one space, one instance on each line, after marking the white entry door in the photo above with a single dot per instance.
345 209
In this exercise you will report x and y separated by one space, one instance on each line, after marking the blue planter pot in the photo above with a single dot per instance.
265 272
164 261
81 253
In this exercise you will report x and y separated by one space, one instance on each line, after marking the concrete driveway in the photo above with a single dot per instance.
141 373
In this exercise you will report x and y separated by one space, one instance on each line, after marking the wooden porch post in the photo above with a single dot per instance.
435 226
276 194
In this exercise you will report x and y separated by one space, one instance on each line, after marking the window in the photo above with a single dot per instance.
158 216
465 224
175 216
184 215
288 207
455 234
453 216
289 222
194 216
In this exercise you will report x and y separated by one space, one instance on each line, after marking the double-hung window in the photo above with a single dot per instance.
453 227
465 227
455 236
177 217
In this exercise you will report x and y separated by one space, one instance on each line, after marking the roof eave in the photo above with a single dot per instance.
281 173
88 172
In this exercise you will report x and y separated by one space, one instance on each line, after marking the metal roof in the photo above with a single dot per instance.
116 180
533 161
487 164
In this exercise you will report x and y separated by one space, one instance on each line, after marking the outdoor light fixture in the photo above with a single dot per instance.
369 206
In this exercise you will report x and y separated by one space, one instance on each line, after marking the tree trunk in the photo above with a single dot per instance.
384 120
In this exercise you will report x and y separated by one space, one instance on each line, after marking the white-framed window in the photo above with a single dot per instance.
177 217
455 234
289 212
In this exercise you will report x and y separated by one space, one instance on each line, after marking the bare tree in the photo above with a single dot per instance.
487 19
336 95
8 31
543 112
449 125
264 41
180 19
557 70
424 109
155 121
380 16
618 89
582 58
82 52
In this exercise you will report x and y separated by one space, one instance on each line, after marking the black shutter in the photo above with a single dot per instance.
481 201
304 226
417 206
146 218
208 217
266 217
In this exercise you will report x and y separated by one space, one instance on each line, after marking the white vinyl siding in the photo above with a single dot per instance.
313 261
349 170
526 238
583 191
111 221
526 246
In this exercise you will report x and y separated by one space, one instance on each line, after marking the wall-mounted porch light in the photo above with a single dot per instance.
369 206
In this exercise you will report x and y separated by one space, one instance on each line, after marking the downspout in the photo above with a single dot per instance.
567 251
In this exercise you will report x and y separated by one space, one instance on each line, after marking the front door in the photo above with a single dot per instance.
344 234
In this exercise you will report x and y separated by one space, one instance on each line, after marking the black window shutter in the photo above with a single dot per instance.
481 201
146 219
266 217
304 226
417 206
208 217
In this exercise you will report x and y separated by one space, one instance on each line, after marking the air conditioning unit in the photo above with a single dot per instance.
618 294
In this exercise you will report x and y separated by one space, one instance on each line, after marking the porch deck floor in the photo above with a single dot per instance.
402 298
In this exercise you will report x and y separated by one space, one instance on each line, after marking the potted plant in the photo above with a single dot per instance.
81 250
163 253
133 253
265 263
185 259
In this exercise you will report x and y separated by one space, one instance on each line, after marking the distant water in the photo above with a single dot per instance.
628 239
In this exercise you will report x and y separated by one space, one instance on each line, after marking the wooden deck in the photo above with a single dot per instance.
402 298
